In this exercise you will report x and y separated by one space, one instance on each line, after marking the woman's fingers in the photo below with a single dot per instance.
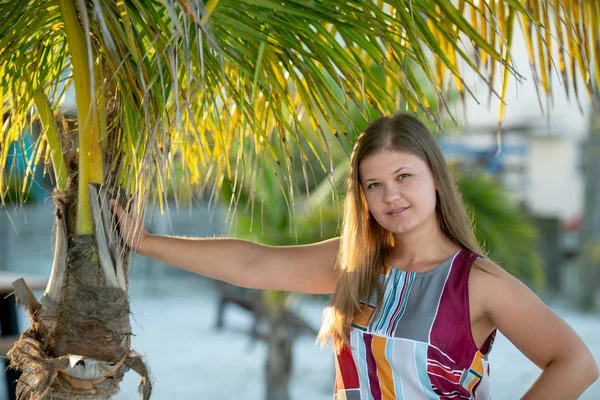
131 228
116 208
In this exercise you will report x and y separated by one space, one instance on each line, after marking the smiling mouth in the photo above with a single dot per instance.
398 211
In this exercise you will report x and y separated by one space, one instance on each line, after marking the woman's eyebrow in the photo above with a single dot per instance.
393 173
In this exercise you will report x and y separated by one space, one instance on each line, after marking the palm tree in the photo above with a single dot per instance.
157 82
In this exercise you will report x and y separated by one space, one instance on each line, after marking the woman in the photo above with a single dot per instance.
415 305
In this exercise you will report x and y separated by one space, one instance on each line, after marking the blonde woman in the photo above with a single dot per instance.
415 305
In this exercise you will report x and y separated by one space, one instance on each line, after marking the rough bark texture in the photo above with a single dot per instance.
93 319
78 345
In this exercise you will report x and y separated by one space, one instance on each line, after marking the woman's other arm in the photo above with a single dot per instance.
568 367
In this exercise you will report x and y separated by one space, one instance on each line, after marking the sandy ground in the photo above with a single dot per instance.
173 321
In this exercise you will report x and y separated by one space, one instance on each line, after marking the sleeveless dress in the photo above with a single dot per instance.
419 345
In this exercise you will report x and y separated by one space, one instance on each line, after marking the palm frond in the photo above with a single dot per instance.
501 227
32 57
201 85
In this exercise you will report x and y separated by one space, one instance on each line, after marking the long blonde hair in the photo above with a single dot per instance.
364 244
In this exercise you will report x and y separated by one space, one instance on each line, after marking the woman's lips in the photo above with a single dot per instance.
398 211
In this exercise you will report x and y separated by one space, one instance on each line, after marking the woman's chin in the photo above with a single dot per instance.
399 228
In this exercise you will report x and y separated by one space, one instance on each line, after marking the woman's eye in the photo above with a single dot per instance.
372 185
403 176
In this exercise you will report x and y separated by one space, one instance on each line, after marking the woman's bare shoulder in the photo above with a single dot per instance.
485 270
486 278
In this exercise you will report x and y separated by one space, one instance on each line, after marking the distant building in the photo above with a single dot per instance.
540 157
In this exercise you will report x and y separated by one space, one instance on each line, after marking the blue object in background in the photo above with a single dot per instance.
16 165
487 157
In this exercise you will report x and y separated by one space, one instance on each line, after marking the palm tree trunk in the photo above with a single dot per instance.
590 232
279 356
79 342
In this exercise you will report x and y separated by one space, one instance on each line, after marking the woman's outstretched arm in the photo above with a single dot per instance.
305 268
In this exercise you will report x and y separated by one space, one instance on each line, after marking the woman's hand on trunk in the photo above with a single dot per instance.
131 227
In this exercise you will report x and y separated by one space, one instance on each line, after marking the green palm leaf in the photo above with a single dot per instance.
185 82
502 228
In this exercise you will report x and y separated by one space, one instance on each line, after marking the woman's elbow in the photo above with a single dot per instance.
586 365
592 371
581 365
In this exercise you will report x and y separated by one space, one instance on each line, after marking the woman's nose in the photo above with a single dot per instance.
392 194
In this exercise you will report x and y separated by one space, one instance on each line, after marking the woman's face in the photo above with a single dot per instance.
399 188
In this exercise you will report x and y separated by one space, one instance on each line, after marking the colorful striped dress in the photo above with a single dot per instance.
419 345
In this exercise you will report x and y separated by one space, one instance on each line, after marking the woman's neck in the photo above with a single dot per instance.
424 244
